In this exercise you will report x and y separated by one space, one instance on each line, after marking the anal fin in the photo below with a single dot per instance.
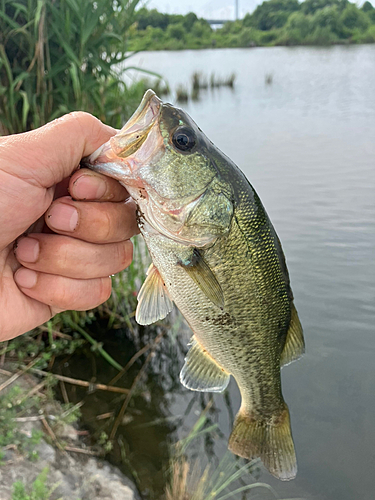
201 372
153 299
295 343
269 440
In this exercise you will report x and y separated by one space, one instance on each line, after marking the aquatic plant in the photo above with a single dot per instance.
199 81
182 94
217 81
159 86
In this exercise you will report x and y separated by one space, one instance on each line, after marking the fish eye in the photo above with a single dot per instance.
184 139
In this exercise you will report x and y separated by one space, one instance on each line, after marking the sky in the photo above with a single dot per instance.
209 9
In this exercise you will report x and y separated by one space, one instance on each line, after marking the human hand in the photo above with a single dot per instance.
67 264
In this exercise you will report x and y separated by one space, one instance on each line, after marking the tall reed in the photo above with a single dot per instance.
62 55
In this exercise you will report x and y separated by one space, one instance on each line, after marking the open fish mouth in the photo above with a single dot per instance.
132 135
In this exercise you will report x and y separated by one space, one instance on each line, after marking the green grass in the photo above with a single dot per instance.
230 477
19 403
13 405
38 490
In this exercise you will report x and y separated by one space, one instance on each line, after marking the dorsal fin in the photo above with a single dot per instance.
294 344
153 299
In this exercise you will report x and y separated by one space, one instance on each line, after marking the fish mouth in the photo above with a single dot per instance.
129 139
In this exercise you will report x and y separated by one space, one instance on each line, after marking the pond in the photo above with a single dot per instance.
300 122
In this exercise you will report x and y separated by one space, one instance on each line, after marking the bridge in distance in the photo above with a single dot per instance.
218 22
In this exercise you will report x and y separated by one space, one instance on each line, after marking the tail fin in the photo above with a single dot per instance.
270 440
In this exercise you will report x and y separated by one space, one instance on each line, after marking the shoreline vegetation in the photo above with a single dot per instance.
120 376
274 22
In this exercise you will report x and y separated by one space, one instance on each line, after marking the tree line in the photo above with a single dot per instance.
274 22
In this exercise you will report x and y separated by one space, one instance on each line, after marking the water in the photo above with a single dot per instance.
307 144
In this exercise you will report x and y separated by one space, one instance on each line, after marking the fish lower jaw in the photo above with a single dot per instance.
115 169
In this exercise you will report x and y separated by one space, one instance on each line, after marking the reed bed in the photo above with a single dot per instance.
56 57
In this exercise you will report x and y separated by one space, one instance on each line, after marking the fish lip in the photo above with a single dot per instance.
146 113
132 134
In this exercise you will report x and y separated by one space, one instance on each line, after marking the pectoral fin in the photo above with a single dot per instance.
153 299
295 344
201 372
201 274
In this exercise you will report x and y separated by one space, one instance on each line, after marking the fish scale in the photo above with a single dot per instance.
217 336
215 255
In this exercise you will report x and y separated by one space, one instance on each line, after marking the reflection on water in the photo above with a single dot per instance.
306 142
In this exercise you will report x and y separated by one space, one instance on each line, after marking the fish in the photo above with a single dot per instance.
217 257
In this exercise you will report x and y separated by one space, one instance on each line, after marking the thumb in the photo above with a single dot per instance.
33 162
51 153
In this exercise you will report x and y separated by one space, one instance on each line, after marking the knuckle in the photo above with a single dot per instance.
78 115
105 289
96 224
63 255
90 122
63 296
85 121
82 296
106 227
124 254
82 117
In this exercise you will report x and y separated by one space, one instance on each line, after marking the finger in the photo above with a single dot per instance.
61 293
51 153
88 185
72 258
104 222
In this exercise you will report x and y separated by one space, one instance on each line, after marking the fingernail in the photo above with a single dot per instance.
25 278
89 187
63 217
27 250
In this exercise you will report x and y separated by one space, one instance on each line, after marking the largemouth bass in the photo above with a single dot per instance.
216 256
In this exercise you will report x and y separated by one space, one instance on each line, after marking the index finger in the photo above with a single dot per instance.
88 185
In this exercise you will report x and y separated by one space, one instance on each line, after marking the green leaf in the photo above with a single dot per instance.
8 20
20 77
25 108
19 8
68 50
75 80
141 70
38 14
89 27
74 6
